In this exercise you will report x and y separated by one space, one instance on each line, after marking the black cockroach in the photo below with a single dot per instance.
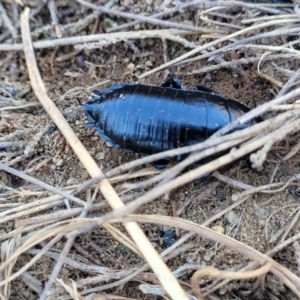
151 119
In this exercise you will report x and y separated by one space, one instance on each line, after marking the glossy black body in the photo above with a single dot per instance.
150 119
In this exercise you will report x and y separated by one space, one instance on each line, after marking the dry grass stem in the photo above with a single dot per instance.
57 215
164 36
7 22
207 168
227 64
77 222
122 238
290 279
197 276
32 282
211 142
54 16
8 247
257 112
265 7
250 190
145 19
291 225
166 12
253 265
42 184
268 18
105 37
231 46
167 280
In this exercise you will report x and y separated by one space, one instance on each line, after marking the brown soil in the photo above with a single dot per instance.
121 62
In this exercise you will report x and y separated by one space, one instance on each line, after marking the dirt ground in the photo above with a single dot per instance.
259 222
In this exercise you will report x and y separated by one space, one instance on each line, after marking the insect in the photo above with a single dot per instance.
150 119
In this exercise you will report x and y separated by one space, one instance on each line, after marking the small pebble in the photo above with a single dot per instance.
100 155
148 63
261 212
130 67
71 181
219 229
208 255
231 217
60 162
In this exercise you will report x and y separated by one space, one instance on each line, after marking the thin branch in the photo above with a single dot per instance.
279 134
110 40
258 6
210 143
146 19
257 112
53 12
160 14
59 263
241 45
254 265
227 64
162 272
289 83
7 22
110 37
42 184
228 37
290 279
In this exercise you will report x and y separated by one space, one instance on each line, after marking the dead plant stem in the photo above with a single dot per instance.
144 18
162 272
207 168
109 38
230 46
160 14
42 184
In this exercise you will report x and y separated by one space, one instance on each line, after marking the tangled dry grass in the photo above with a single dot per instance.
222 35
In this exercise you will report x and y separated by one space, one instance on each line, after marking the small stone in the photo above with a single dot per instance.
231 217
68 157
100 155
71 181
208 255
148 63
219 229
261 212
130 67
60 162
108 144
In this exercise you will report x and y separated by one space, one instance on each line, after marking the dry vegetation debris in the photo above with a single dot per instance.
197 234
